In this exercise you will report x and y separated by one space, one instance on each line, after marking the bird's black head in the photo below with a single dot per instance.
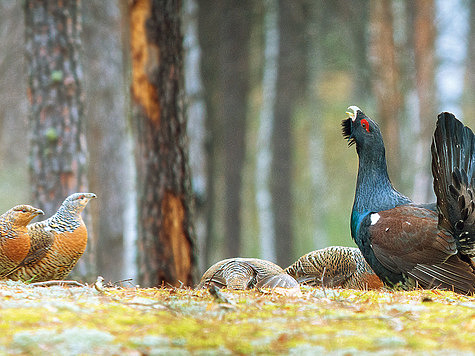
360 129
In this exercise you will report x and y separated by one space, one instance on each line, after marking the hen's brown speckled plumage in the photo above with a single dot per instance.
14 239
335 266
56 243
246 273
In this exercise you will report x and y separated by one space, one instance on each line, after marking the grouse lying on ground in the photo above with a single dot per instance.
246 273
56 243
411 245
335 266
14 239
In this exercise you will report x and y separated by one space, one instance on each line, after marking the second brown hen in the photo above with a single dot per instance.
335 266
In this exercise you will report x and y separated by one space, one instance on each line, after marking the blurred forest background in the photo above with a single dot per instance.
267 84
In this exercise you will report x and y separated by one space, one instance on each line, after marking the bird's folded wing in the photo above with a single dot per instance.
406 236
41 242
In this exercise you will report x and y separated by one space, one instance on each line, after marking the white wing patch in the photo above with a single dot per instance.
375 218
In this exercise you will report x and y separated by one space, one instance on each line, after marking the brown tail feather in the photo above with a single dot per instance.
454 274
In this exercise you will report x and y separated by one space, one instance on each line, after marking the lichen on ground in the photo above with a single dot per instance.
64 320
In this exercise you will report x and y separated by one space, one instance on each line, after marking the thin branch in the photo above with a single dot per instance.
57 283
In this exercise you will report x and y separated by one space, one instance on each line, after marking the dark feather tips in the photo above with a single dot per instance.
346 130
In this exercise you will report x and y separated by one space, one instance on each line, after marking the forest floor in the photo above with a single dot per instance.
71 320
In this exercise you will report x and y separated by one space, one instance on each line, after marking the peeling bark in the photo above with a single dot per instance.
165 233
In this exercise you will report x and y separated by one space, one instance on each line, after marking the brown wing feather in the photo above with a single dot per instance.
406 236
41 241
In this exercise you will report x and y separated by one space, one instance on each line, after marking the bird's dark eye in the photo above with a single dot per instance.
23 211
365 124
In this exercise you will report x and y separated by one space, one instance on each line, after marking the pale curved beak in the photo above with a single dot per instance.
352 114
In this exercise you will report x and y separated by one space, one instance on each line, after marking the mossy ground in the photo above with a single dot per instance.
133 321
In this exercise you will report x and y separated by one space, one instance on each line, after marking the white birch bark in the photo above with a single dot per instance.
264 154
195 108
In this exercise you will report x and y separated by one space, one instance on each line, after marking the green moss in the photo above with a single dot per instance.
56 76
157 321
51 135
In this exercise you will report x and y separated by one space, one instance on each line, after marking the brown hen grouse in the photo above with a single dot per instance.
56 243
246 273
335 266
14 239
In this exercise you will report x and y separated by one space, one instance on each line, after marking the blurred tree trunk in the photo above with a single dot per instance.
58 145
224 30
386 82
315 27
209 13
356 13
469 99
13 107
196 114
234 87
109 146
290 84
166 239
424 36
264 201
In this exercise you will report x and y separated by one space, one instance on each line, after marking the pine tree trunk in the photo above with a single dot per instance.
58 145
165 232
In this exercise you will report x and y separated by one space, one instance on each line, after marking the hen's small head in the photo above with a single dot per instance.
21 215
78 201
360 129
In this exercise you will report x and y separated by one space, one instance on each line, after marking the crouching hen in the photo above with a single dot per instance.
14 239
406 244
246 273
335 266
56 243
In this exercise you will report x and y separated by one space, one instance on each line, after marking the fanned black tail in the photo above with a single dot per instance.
453 169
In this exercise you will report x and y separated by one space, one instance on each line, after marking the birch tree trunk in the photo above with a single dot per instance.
266 121
196 113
